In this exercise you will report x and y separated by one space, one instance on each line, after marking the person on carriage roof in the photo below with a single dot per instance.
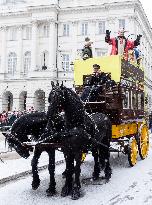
93 86
120 44
87 49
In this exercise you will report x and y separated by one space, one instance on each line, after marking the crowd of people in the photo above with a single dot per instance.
8 118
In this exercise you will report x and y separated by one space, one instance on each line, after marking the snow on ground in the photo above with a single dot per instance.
17 165
128 186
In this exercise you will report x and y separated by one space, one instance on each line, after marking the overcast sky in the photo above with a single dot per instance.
147 5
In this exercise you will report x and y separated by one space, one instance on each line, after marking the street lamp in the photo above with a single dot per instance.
44 66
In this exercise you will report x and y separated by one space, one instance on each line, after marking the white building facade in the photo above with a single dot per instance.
40 39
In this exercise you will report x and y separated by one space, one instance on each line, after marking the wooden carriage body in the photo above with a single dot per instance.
124 103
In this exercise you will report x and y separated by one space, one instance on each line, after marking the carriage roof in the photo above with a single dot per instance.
117 67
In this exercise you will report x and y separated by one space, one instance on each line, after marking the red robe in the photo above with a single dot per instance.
129 45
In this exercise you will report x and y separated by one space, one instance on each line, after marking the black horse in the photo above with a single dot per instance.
83 132
36 125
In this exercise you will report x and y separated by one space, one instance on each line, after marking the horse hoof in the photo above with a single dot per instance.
66 190
35 184
108 175
50 192
75 193
95 176
64 174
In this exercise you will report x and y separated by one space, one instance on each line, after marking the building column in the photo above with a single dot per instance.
15 103
3 56
19 52
34 45
74 40
92 36
29 101
52 46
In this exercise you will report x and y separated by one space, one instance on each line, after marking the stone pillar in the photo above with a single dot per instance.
74 40
15 103
92 36
52 46
19 52
34 45
3 56
29 101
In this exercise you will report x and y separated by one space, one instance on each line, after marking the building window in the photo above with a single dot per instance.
65 29
101 27
13 34
65 62
79 54
27 62
100 52
84 29
12 62
121 23
10 1
46 31
27 33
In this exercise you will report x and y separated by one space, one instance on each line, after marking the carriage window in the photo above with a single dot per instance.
139 101
142 100
126 100
133 100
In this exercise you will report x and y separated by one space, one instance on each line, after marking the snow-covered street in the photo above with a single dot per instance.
128 186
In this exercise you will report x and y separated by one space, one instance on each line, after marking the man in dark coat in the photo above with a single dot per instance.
94 85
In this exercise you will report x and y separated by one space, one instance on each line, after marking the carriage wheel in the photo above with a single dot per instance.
132 152
144 142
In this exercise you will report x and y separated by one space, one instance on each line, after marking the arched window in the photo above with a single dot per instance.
27 62
12 62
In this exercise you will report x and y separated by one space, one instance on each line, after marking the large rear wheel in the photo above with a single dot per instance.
143 142
132 152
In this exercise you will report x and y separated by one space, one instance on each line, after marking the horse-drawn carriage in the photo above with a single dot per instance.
123 102
77 132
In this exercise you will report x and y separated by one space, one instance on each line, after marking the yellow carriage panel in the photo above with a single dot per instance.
123 130
108 64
